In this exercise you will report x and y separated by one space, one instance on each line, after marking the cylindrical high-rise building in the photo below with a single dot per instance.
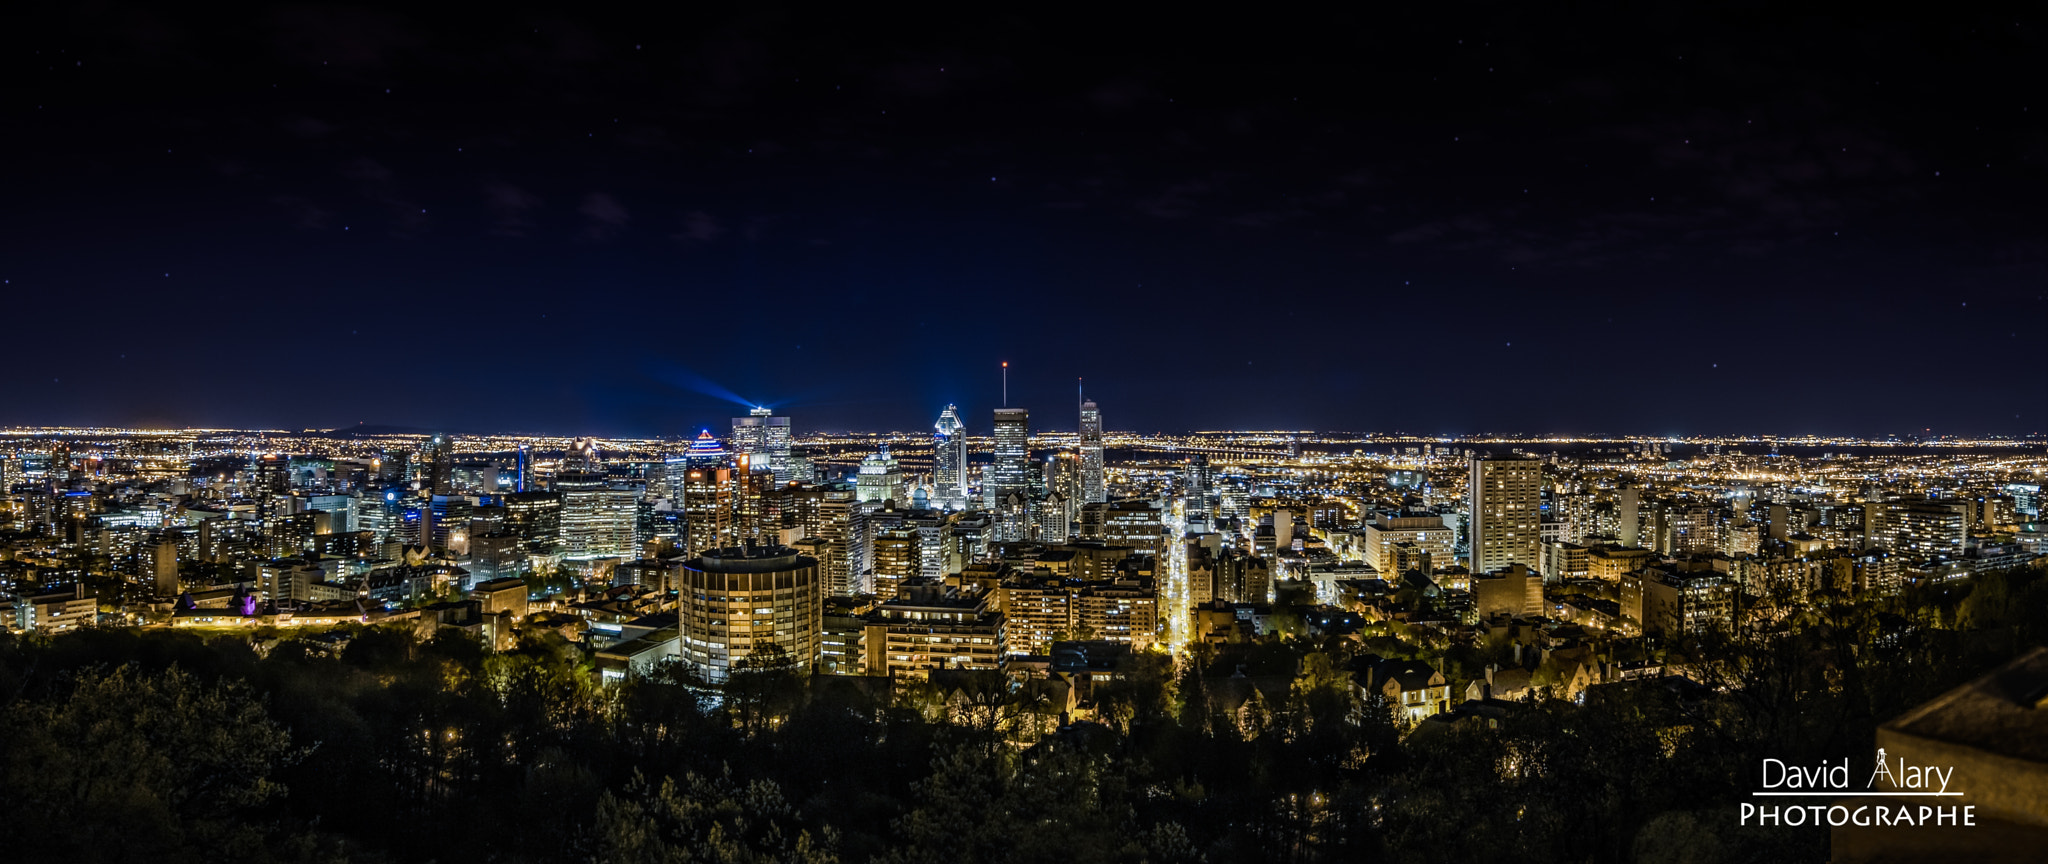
746 602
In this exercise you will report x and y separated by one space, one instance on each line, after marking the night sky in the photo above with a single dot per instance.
1702 220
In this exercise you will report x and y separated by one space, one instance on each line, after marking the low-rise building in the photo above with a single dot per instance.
1657 602
1414 689
1040 609
1612 562
55 612
1514 591
640 656
931 626
502 596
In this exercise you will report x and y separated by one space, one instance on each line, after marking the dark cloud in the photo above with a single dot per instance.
368 172
512 208
303 212
1177 201
700 226
377 183
308 127
604 217
351 40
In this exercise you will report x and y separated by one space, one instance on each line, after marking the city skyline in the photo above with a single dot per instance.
703 434
1016 434
1090 416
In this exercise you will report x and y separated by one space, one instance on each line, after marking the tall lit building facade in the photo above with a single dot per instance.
1093 490
1505 495
1628 517
675 469
381 511
1923 528
439 457
836 527
755 499
1009 476
707 508
1692 530
749 602
706 452
949 461
1136 524
881 478
765 437
582 456
1062 504
896 560
447 523
1015 518
824 512
536 519
597 517
1055 519
1196 481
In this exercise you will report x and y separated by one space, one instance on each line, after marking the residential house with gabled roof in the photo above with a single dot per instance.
1414 688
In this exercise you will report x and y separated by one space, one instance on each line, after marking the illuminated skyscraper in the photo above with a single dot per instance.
881 478
597 517
1198 481
523 466
1063 485
380 512
441 459
534 517
1010 474
756 503
1015 517
1631 519
1093 491
1055 519
446 523
766 437
801 468
949 456
1506 500
706 452
675 469
582 456
895 560
707 508
749 433
835 526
